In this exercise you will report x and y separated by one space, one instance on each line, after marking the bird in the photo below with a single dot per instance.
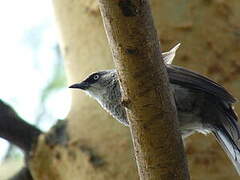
203 105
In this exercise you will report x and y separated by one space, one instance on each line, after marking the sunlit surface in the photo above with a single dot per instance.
27 60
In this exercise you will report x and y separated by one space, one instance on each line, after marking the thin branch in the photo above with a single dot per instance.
16 130
147 95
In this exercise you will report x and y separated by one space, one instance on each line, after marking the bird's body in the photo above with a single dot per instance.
203 105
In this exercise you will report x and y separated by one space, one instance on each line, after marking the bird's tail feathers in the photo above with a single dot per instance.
230 146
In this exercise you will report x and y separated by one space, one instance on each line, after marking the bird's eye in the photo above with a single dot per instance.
96 77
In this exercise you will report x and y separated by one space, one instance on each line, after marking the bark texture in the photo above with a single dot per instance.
19 133
96 147
147 95
209 33
15 130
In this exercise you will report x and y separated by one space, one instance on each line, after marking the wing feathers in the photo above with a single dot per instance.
184 77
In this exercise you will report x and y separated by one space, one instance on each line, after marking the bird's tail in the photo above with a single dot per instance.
230 146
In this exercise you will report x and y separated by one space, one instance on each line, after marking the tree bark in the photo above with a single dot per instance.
91 132
150 106
96 146
15 130
19 133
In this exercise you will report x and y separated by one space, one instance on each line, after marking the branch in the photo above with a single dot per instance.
16 130
150 106
23 174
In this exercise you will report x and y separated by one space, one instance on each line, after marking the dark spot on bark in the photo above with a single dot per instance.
147 105
203 161
94 159
126 102
210 44
58 134
235 65
185 26
185 58
72 154
215 69
58 156
132 51
190 150
93 11
128 8
207 2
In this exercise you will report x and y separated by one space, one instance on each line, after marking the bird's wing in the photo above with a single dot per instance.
189 79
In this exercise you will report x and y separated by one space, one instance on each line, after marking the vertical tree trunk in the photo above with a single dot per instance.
150 105
209 33
97 147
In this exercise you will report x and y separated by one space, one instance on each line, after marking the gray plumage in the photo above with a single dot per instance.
202 104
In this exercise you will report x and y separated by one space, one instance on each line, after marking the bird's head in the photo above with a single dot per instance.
100 84
96 84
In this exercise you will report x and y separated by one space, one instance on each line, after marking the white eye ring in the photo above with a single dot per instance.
96 77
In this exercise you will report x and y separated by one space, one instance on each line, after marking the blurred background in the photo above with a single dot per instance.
33 80
31 70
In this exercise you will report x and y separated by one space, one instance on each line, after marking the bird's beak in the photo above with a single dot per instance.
83 85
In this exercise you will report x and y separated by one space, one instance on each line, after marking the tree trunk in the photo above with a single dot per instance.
150 106
209 33
96 146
